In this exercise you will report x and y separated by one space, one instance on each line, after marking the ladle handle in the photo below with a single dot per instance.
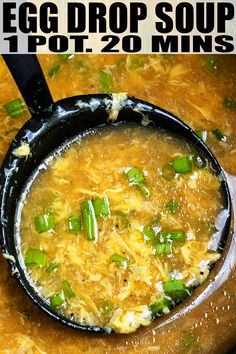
31 82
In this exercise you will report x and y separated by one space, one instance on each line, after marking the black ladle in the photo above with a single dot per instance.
50 125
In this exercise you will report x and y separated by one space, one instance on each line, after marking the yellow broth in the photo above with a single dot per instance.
105 291
182 85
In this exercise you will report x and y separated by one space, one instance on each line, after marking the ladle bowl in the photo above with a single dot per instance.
51 125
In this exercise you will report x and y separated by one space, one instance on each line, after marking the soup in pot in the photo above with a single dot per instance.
201 90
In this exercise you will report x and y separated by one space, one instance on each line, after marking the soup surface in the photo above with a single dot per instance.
147 203
195 88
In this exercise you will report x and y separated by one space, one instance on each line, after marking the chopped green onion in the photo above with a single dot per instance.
163 248
182 164
213 229
35 257
52 267
136 178
229 102
57 300
121 219
199 161
172 206
172 236
101 206
120 261
219 135
145 190
168 172
211 64
54 69
89 220
161 306
136 62
65 57
106 83
14 108
44 222
81 64
74 223
149 234
202 134
67 289
107 308
175 289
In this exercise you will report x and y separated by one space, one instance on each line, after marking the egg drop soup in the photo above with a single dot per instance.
117 227
199 89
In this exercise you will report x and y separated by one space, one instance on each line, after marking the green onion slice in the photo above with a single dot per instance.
163 249
101 207
172 236
106 82
65 57
57 300
145 190
219 135
35 257
161 306
44 222
54 69
199 161
81 64
52 267
136 62
67 289
74 224
136 178
14 108
202 134
182 164
172 206
89 220
107 308
168 172
213 229
211 64
175 289
149 234
120 261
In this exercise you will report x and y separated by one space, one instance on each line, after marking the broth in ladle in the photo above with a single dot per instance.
116 228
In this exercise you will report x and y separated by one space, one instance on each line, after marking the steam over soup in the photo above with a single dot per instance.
118 227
